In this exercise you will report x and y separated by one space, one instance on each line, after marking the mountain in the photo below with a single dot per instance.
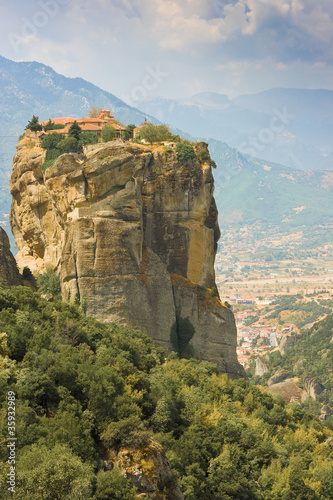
259 190
250 190
31 88
292 127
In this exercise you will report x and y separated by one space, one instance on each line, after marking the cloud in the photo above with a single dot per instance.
240 45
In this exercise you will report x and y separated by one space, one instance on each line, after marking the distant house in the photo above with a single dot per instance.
288 327
246 301
87 125
137 129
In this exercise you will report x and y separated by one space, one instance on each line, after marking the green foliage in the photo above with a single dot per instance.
316 352
128 133
50 158
156 133
185 152
113 485
108 133
51 141
88 138
129 431
49 284
54 474
34 124
53 126
75 131
69 145
82 387
56 145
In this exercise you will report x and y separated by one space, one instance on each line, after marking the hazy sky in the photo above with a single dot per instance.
175 48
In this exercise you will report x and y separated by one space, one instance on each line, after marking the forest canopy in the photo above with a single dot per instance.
83 388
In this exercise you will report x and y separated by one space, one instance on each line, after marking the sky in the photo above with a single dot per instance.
136 48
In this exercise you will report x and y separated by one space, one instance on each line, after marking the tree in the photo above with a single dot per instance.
49 125
69 145
51 141
53 473
108 133
53 126
34 124
112 484
88 138
128 134
155 133
49 284
94 111
75 130
185 152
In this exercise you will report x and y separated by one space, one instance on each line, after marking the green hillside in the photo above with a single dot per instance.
85 390
314 355
248 190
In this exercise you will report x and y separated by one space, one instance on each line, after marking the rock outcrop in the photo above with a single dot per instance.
287 342
325 413
262 366
312 387
148 469
288 389
132 232
278 377
9 274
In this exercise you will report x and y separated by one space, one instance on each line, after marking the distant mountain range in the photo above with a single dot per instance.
292 127
247 188
31 88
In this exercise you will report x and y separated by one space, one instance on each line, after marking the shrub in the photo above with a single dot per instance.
26 273
185 152
51 141
53 126
69 145
112 484
108 133
49 284
50 158
156 133
88 138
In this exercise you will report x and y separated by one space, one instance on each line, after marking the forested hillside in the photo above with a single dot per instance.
310 357
88 393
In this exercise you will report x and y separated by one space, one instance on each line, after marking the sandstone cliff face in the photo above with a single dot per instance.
9 274
262 366
133 233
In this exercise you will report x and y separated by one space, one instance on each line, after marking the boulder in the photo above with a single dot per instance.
279 376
